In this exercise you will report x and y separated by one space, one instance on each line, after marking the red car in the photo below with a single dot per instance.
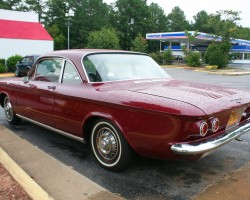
123 102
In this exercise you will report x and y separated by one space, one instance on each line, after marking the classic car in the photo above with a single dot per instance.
24 65
122 103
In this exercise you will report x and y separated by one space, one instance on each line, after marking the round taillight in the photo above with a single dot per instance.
203 128
215 124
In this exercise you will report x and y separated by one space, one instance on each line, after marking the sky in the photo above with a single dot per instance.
192 7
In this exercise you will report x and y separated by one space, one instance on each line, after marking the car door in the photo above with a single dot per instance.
69 110
35 98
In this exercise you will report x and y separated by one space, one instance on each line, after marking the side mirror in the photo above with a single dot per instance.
25 79
18 62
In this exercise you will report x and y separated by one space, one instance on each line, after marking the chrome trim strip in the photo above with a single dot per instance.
194 148
79 139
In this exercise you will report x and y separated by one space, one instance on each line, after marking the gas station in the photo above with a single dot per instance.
175 41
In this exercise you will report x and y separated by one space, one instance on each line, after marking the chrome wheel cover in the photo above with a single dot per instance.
107 143
8 110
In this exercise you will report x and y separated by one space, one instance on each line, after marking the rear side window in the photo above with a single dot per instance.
70 75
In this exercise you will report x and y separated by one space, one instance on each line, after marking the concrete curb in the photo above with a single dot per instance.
26 182
5 75
57 179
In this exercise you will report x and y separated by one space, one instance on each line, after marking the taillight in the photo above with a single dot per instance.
203 128
215 124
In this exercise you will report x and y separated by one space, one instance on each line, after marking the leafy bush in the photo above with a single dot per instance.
168 57
2 61
193 59
11 62
157 56
217 54
2 68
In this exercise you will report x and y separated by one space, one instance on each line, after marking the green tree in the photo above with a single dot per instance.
225 26
89 16
177 20
200 22
38 6
10 4
56 21
58 36
106 38
157 22
129 17
140 44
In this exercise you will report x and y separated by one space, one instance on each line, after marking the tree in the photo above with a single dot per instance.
243 33
38 6
139 44
130 17
200 22
225 26
59 38
224 23
89 16
10 4
177 20
106 38
157 18
56 21
157 22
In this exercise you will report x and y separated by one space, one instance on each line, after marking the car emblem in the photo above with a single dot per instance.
237 100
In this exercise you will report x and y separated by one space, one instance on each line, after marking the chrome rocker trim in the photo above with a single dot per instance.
53 129
210 144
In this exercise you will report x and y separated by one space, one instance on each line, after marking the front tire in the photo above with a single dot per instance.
17 73
110 147
10 113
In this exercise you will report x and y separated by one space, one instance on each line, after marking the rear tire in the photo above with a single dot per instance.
109 146
10 113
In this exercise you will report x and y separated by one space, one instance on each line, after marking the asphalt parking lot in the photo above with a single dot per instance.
149 178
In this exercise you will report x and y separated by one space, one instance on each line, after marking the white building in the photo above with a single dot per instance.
22 34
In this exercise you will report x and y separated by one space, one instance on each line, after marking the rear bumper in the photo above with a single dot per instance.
204 147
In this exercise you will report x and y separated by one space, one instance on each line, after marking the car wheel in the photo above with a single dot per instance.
110 147
10 113
17 73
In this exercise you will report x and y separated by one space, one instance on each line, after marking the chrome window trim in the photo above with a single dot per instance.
79 139
63 65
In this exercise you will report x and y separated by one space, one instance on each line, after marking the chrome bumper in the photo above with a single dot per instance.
210 144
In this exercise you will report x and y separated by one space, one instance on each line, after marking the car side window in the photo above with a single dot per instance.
70 75
48 70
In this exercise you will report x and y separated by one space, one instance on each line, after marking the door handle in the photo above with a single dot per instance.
51 87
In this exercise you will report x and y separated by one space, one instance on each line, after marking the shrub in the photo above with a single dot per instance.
2 61
168 57
157 56
193 59
11 62
217 54
2 68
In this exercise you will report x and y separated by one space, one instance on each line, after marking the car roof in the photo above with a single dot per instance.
76 53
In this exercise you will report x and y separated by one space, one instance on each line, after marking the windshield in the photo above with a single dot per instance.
121 66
